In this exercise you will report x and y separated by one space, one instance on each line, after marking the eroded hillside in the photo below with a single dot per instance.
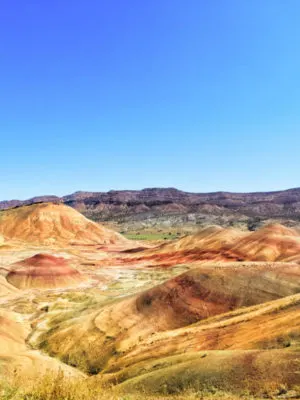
218 310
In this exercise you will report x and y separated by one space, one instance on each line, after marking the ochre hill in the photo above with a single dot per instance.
270 243
100 337
16 355
253 348
53 224
43 271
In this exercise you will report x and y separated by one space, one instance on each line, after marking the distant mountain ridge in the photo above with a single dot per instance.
160 204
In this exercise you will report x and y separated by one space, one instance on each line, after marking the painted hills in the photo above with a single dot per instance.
163 331
251 350
53 224
216 310
172 207
43 271
270 243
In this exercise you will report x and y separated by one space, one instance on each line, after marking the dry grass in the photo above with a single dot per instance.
58 387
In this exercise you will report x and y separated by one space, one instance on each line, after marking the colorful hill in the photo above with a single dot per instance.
270 243
53 224
43 271
231 321
116 333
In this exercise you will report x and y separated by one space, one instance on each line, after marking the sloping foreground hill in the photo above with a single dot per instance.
150 339
255 349
270 243
53 224
14 352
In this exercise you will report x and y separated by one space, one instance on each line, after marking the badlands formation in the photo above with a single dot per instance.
43 271
215 311
270 243
53 225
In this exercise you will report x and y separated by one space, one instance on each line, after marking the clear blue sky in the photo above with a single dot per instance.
196 94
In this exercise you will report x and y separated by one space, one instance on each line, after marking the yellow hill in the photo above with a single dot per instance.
53 224
116 332
270 243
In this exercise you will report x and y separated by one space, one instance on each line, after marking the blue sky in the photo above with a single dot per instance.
99 95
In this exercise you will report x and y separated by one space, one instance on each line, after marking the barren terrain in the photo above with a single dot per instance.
216 312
